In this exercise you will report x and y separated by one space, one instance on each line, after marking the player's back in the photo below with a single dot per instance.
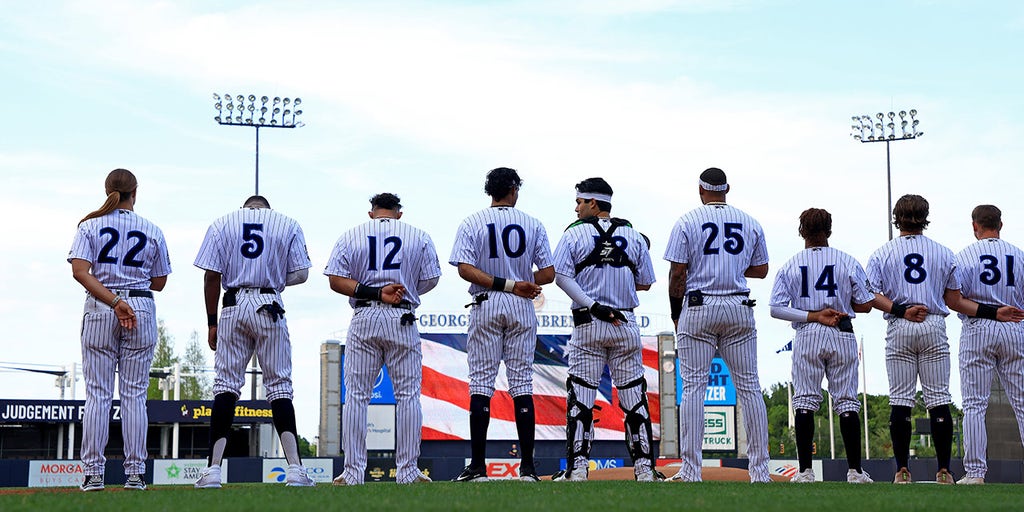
913 269
718 243
821 277
502 241
125 249
614 284
384 251
254 248
988 270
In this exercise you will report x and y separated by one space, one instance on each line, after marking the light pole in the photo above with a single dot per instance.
882 130
241 111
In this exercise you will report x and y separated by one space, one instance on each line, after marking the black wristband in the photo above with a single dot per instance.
987 311
898 310
675 306
367 292
211 319
498 284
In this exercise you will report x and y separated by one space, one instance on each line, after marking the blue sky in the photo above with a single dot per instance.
421 99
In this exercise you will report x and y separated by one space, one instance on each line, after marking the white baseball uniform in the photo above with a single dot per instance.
253 249
910 270
718 242
814 279
988 271
503 242
377 253
126 251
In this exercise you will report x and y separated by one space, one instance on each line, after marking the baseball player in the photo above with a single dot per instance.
600 263
988 271
253 253
820 290
496 250
119 258
712 250
914 272
384 265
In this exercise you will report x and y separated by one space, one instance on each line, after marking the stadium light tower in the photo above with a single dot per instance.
883 129
241 111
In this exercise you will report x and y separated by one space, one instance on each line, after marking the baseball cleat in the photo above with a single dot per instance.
528 474
576 475
649 475
903 477
804 477
135 482
858 477
340 480
471 474
92 483
678 477
209 478
944 477
296 476
420 478
971 480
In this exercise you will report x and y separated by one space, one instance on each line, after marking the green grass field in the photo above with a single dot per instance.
515 496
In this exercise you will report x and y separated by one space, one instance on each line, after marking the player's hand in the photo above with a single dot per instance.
211 338
607 314
526 289
916 313
392 293
1009 314
125 314
827 316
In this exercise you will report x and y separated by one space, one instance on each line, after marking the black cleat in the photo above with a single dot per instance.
528 474
471 474
92 483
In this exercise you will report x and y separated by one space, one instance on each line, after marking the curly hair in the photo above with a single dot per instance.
501 181
387 201
815 223
911 213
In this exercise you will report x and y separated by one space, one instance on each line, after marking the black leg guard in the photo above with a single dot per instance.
284 416
849 427
942 434
221 418
638 423
899 431
479 419
804 426
578 417
526 426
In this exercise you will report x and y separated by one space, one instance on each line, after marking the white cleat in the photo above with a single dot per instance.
576 475
296 476
209 478
678 477
971 480
804 477
421 478
340 480
858 477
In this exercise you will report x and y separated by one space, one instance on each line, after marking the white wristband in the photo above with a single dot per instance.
117 298
509 286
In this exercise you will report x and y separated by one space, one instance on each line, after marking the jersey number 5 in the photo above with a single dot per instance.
253 246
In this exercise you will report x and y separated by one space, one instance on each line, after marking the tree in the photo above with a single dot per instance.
306 449
163 357
199 386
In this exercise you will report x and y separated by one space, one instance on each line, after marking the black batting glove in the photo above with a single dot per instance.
607 313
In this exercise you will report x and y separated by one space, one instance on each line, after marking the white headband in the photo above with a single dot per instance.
593 195
714 188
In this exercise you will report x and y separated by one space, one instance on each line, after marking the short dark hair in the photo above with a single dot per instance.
987 216
911 213
386 201
256 202
597 186
714 176
501 181
815 223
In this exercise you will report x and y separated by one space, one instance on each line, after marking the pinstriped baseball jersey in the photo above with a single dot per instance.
501 241
611 286
821 277
988 271
913 269
125 251
238 247
376 253
383 251
717 242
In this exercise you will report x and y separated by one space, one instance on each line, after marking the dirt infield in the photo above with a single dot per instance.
708 474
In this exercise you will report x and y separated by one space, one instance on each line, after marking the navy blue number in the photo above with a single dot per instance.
389 258
803 282
915 272
733 235
826 281
105 256
140 244
506 240
253 246
992 275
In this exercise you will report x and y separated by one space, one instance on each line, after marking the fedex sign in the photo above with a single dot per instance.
500 469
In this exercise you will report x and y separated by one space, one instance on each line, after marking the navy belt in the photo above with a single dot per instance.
367 303
135 293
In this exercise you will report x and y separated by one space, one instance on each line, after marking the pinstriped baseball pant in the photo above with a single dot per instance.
724 325
822 351
244 330
915 349
376 337
108 348
594 344
503 327
987 347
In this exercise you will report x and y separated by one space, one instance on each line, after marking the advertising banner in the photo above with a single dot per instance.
320 470
183 471
719 428
55 473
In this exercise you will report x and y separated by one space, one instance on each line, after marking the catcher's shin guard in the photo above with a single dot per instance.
633 402
579 420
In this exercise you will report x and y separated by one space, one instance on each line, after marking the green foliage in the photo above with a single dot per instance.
198 386
163 357
306 449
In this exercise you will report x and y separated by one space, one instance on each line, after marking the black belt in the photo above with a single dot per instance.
845 325
582 316
231 295
368 303
135 293
695 298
